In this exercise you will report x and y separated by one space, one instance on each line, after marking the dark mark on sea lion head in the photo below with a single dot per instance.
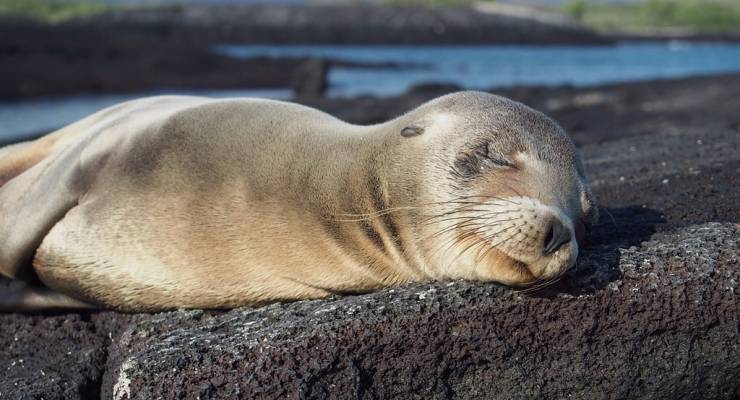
412 130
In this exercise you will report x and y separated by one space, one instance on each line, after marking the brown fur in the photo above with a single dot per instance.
189 202
25 155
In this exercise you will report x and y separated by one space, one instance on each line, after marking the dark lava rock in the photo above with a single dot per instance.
651 311
666 329
42 60
344 24
50 357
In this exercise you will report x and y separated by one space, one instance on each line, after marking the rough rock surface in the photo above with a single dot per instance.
651 311
50 357
667 329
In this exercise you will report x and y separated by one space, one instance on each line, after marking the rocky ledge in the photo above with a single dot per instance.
651 311
654 321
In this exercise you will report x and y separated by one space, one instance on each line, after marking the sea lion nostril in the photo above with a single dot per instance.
557 236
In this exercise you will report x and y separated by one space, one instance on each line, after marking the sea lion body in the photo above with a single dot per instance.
187 202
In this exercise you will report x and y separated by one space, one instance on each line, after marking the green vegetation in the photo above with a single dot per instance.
430 2
51 10
645 15
576 8
701 15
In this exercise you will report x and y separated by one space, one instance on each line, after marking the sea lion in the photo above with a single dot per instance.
190 202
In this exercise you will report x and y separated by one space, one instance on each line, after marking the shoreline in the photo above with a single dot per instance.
553 100
171 47
150 48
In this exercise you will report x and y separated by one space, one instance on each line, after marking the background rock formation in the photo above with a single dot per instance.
150 48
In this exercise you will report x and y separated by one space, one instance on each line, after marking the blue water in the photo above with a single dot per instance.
27 118
468 66
504 66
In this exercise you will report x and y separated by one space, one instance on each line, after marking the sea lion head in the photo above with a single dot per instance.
506 199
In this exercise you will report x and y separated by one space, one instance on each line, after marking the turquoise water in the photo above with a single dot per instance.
504 66
468 66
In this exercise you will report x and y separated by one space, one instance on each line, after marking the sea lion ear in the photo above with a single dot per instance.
412 130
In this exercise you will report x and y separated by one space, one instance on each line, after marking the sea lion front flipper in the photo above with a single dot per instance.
30 204
21 297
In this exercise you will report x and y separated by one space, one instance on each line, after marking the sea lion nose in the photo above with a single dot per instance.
557 236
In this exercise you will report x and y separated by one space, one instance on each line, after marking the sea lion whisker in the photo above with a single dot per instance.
487 196
527 290
498 221
477 241
504 199
495 245
493 236
469 206
487 249
458 223
469 234
456 226
546 283
457 201
614 221
448 213
459 209
542 285
380 212
498 244
482 203
484 223
481 240
480 228
481 216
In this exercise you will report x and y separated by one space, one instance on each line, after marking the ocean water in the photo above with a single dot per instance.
504 66
479 67
29 118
